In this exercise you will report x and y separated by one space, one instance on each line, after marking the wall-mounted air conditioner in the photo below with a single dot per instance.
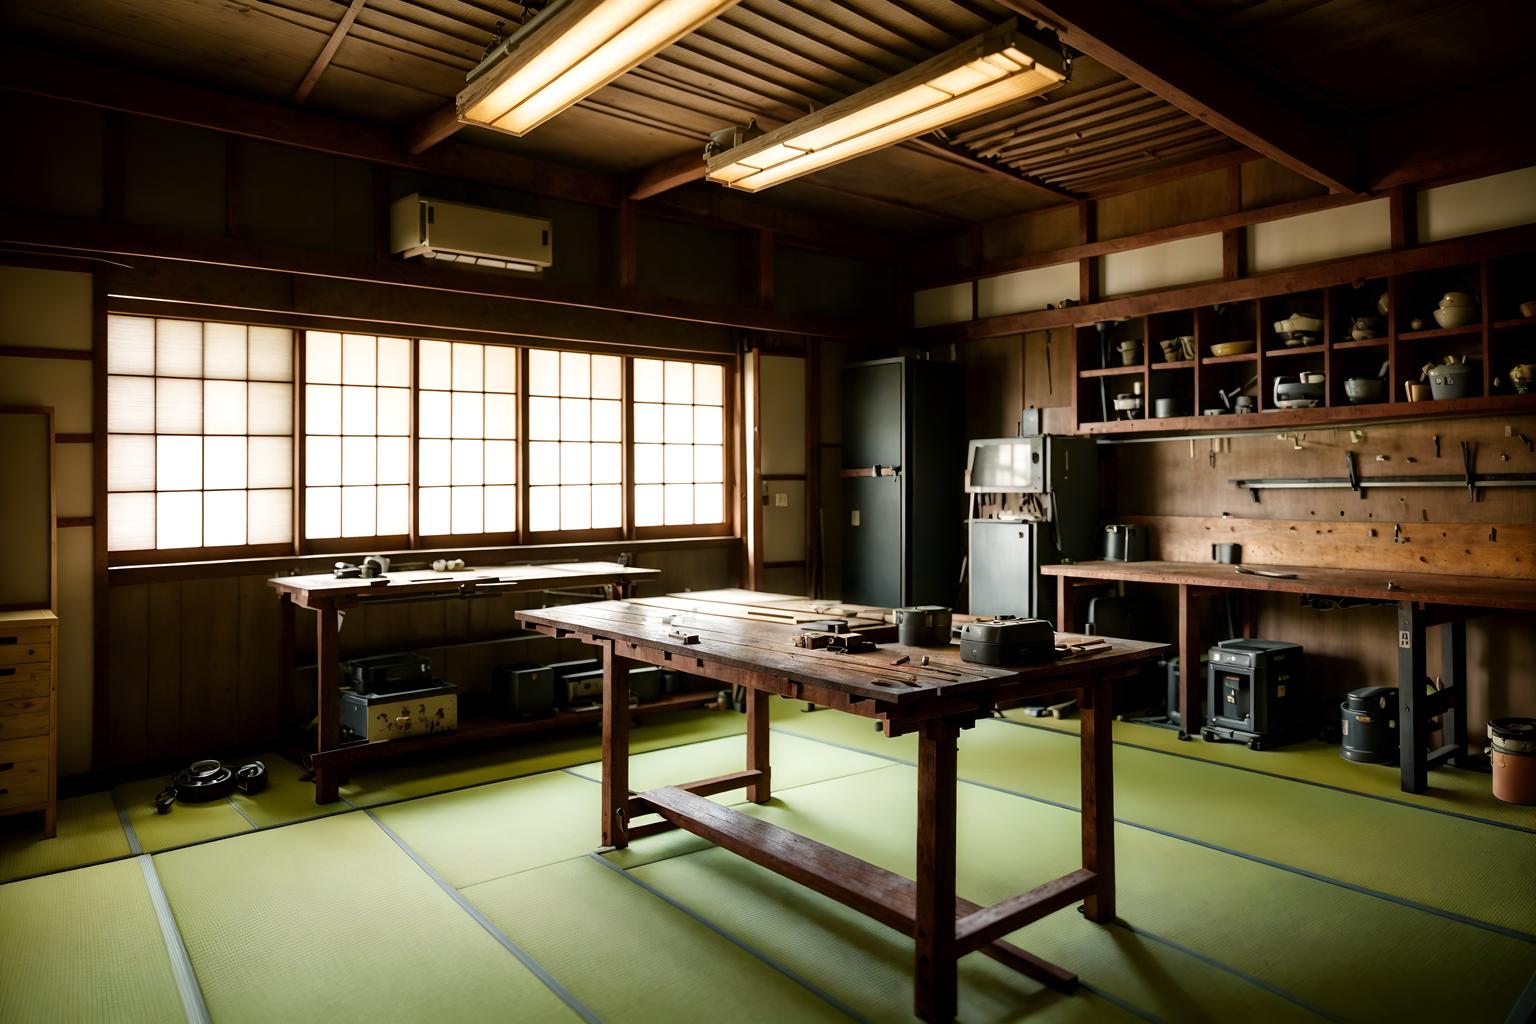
436 229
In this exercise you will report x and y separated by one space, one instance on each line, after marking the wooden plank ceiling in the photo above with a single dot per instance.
770 60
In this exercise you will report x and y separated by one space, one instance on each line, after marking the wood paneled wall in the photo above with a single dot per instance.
195 665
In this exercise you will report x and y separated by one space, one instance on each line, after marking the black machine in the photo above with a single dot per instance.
523 691
583 689
1007 642
903 460
388 673
1253 693
1368 725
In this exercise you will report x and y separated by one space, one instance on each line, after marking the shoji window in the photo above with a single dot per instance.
357 425
575 441
679 446
199 435
467 455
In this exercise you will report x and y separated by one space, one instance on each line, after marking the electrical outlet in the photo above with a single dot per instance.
781 499
853 518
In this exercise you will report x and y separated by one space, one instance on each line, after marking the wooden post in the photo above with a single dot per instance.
1189 664
1098 794
1453 675
286 615
1066 617
615 746
757 745
327 698
937 973
1413 729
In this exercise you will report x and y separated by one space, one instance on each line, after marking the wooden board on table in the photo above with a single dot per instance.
768 647
1430 588
561 574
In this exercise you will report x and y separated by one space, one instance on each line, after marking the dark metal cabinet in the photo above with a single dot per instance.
903 482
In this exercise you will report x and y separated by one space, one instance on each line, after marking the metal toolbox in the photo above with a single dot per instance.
585 688
393 716
523 691
1007 641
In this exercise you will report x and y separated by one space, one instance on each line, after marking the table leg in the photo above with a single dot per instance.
1066 618
1098 796
286 615
1189 665
615 746
1413 725
937 970
327 698
757 745
1453 675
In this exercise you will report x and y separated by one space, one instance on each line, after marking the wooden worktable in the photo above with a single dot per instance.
935 700
329 597
1423 600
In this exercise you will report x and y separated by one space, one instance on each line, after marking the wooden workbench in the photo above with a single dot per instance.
1423 600
329 598
935 701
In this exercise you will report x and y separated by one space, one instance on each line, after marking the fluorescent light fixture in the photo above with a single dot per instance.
569 51
998 67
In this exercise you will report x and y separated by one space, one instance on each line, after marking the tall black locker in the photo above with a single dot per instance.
903 482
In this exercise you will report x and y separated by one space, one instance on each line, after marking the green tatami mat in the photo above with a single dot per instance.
869 966
794 761
84 946
330 920
89 833
286 799
629 956
185 824
499 829
1450 789
1299 935
1384 847
373 785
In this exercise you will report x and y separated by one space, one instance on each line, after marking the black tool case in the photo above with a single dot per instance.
388 673
1007 642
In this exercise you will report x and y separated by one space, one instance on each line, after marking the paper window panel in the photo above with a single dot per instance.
468 414
130 522
468 510
468 366
575 508
394 412
358 410
708 425
359 512
543 509
359 461
607 507
269 517
649 385
322 409
269 462
178 519
394 510
607 421
467 422
435 466
543 372
394 460
468 462
648 463
543 462
544 419
131 405
224 465
607 463
708 503
394 362
224 407
501 462
648 505
500 369
679 377
709 465
269 409
322 461
359 359
322 512
223 518
679 435
575 419
708 384
178 464
435 513
500 509
131 345
224 351
648 423
269 353
607 376
322 357
501 417
575 375
679 504
130 462
178 406
178 348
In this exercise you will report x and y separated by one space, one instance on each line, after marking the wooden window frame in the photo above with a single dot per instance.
730 367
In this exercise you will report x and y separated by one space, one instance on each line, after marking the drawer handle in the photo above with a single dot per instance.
7 640
4 791
7 766
7 671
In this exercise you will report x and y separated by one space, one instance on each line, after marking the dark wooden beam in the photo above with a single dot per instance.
1166 58
187 247
953 154
327 52
436 127
668 174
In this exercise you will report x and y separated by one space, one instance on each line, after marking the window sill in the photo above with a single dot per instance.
287 565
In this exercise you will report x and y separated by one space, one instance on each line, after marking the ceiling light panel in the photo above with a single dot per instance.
571 50
994 69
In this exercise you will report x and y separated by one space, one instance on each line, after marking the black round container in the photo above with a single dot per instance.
1368 725
925 625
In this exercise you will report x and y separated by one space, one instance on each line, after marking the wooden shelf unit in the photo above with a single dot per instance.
1500 339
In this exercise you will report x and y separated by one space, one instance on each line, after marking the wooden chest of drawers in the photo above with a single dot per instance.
28 714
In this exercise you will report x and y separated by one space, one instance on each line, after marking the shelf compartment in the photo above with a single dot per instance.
1367 343
1524 321
1296 350
1245 357
1113 371
1441 332
1182 364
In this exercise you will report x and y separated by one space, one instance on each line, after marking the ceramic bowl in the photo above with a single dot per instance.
1165 407
1528 309
1295 389
1457 316
1457 299
1302 322
1364 389
1233 348
1313 378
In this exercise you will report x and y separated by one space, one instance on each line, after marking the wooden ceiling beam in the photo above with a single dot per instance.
438 126
327 52
1203 81
965 158
668 174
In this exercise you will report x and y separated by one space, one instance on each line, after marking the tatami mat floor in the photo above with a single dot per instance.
1253 886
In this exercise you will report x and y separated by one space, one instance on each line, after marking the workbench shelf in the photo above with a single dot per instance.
1500 339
